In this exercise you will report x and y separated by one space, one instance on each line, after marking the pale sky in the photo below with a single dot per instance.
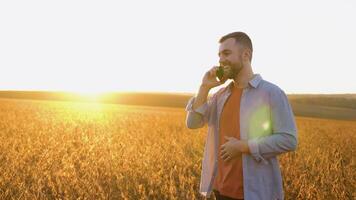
167 46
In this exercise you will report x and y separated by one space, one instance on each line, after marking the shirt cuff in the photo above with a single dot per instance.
254 150
201 109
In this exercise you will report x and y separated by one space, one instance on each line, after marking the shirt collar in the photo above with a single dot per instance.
253 82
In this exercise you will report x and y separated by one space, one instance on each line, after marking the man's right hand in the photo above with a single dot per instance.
210 81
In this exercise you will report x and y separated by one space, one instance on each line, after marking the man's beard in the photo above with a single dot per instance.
234 70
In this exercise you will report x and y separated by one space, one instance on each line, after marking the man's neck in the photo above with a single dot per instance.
242 78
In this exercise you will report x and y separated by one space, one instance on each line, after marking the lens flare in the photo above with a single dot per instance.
260 124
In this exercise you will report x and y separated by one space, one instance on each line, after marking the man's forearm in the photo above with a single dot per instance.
202 96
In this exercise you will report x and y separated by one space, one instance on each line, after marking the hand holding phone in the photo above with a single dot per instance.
210 77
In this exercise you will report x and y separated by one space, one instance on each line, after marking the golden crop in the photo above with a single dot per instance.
66 150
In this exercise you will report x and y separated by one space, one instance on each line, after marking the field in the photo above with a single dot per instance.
65 150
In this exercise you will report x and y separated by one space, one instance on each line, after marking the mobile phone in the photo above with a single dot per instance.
220 72
225 71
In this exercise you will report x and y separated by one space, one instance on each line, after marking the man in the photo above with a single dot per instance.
250 122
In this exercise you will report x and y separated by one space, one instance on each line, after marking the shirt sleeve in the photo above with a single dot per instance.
196 118
284 131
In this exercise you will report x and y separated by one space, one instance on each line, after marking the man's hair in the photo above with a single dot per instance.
241 38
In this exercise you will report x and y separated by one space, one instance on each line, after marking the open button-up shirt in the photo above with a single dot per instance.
266 122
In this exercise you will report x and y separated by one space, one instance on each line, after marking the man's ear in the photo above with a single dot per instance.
246 55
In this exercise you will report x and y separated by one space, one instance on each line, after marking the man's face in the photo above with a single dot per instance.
230 54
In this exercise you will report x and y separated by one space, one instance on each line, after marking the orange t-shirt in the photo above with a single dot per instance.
229 180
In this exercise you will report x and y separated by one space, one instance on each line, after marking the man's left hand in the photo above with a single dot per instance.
232 148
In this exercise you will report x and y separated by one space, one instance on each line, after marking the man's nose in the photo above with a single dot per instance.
222 61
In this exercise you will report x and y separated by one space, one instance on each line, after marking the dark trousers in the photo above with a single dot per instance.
218 196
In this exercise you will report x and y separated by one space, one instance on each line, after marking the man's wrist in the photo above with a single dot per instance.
246 148
204 87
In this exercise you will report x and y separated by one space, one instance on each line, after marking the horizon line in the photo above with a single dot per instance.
157 92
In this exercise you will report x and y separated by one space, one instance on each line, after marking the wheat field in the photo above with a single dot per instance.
66 150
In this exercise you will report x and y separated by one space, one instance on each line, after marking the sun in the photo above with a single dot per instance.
90 95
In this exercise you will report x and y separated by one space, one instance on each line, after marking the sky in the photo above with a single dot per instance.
167 46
